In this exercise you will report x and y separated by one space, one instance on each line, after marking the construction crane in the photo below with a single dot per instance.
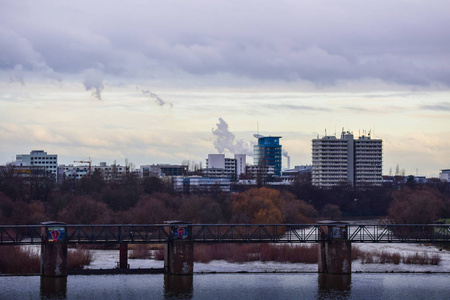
85 162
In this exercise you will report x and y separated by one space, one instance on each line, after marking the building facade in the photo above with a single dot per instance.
445 175
218 166
162 170
346 160
41 159
268 152
192 184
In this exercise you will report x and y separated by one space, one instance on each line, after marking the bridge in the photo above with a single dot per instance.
335 239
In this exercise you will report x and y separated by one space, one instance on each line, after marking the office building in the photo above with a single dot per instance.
39 158
268 152
346 160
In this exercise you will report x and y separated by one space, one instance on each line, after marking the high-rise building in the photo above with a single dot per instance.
358 162
39 158
268 152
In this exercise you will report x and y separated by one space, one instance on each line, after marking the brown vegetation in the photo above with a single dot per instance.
269 206
19 260
422 259
140 251
383 257
416 206
78 258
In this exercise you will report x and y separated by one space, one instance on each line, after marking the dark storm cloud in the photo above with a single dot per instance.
324 42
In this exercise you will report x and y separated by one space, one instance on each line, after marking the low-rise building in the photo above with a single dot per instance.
192 184
39 158
162 170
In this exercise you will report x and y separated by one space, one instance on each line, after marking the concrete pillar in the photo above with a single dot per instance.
179 251
333 282
53 287
178 287
123 256
53 250
335 251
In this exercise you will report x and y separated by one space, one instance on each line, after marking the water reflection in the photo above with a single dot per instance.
178 286
53 287
332 286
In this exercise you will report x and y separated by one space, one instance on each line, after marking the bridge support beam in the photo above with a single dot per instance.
335 254
179 251
53 250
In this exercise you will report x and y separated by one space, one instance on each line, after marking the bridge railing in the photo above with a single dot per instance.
228 233
399 233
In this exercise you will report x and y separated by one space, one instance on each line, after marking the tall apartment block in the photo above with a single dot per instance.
268 152
356 161
39 158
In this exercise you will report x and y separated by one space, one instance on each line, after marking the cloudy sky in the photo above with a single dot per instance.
165 81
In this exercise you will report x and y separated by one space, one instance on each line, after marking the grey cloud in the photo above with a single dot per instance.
443 106
324 42
93 81
284 106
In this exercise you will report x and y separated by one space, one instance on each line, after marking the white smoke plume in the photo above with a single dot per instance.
159 100
225 140
93 81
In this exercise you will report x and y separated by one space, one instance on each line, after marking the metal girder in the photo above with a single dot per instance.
229 233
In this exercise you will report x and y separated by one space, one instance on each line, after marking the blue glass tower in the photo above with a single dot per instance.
268 152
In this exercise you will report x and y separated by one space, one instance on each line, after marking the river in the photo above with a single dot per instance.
230 286
222 280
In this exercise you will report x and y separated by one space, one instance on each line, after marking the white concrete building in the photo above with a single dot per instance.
39 158
358 162
109 173
218 166
445 175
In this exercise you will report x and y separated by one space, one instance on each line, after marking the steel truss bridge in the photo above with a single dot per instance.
228 233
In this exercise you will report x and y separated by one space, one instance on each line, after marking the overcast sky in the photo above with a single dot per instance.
166 81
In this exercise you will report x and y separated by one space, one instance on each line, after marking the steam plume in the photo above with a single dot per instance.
225 140
159 100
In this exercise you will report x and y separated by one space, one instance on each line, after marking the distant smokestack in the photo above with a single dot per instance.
285 154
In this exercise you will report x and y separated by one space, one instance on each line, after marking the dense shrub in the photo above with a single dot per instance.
78 258
19 260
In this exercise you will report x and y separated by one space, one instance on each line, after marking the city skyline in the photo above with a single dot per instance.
151 81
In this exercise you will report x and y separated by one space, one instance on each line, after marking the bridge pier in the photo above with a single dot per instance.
335 252
123 256
179 251
53 249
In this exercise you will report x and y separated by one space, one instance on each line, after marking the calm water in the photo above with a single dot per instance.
230 286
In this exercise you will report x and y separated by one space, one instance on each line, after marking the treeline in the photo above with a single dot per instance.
91 200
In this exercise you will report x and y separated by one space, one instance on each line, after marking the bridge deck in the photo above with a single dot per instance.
228 233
